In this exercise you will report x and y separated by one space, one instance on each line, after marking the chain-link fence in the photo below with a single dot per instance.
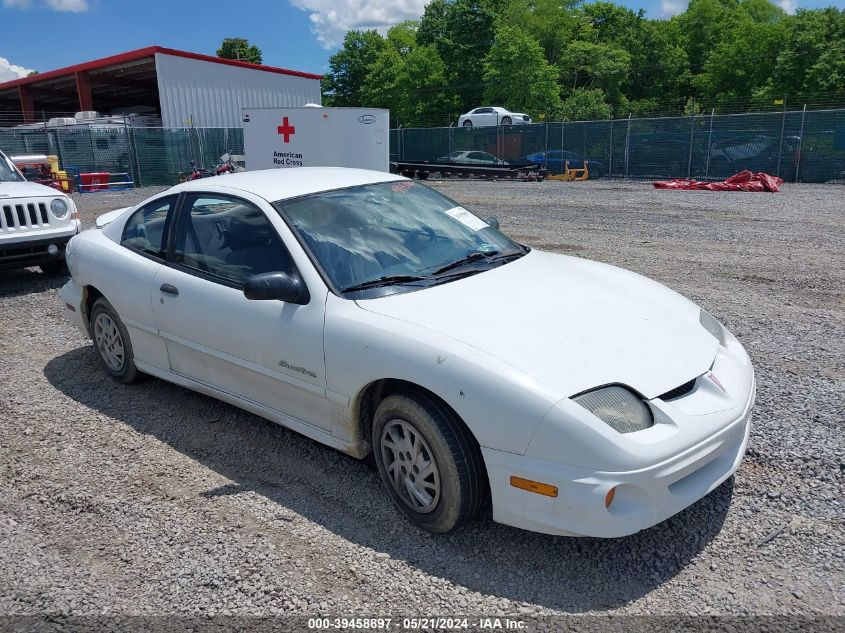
151 156
798 146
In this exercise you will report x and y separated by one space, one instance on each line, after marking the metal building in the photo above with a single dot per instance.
185 89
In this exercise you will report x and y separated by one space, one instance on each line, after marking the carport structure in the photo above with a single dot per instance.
177 84
104 84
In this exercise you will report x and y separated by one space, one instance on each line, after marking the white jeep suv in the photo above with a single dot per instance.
36 222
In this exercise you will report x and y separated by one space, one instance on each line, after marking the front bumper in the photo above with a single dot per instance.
642 497
72 298
32 250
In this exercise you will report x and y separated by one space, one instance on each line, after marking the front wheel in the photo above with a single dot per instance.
112 343
428 461
506 120
467 123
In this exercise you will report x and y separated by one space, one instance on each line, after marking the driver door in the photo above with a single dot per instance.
266 352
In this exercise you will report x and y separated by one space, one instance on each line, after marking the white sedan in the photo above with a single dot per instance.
374 314
487 116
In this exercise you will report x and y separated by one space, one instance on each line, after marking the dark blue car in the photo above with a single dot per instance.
554 160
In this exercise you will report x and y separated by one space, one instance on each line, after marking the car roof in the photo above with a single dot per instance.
282 184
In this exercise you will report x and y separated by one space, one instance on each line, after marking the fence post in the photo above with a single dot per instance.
546 145
709 145
691 134
627 145
450 138
562 124
610 160
134 167
782 128
800 143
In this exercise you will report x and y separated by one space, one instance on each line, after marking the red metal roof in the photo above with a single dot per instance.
142 53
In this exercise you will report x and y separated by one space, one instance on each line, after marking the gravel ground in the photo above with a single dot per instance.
151 499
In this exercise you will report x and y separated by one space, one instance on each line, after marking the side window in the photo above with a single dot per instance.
146 229
228 238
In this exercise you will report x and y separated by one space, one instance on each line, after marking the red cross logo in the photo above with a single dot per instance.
286 130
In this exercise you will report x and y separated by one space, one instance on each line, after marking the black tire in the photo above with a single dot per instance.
55 268
422 175
102 316
458 466
506 120
467 123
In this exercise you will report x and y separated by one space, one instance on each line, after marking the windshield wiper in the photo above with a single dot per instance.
477 256
387 280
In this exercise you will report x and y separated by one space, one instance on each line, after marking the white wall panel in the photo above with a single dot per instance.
212 95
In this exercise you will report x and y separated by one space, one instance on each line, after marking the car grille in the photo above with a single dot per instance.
677 392
22 216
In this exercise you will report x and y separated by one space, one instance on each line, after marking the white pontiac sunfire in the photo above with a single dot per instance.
374 314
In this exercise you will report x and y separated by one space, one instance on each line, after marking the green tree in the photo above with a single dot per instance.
239 49
811 54
462 32
588 65
552 22
585 105
517 75
740 63
425 97
410 80
350 66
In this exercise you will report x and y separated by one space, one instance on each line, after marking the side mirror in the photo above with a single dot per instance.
277 287
493 221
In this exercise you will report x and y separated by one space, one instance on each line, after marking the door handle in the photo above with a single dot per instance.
169 289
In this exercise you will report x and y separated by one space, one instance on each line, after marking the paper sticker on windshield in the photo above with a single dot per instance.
466 218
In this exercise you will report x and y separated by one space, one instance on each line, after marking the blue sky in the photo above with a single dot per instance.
297 34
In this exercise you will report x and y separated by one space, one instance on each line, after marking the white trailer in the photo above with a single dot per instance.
316 137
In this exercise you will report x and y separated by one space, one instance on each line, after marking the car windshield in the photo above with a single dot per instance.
8 173
397 234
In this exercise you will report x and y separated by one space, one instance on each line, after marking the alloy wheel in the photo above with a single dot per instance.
410 465
109 341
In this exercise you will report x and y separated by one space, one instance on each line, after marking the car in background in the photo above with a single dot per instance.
36 222
471 157
770 154
492 116
377 316
555 159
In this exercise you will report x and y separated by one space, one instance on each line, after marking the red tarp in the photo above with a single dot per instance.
743 181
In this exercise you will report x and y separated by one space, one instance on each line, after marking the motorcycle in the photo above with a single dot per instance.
225 166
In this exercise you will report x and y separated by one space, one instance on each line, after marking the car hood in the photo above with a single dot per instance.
24 189
569 323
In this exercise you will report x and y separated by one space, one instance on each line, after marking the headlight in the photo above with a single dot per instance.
618 407
709 323
59 208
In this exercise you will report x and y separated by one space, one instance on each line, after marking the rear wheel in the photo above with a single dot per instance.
428 461
112 343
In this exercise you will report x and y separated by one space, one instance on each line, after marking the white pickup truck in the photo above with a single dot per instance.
36 222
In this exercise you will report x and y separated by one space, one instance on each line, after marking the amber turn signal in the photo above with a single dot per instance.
608 498
534 486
